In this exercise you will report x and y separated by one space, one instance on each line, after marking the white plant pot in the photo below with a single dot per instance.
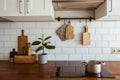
42 59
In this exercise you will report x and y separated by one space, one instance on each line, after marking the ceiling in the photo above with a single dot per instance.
76 4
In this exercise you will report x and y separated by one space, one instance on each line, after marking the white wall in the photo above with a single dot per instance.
104 37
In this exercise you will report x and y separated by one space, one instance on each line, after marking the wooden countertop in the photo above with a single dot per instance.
10 71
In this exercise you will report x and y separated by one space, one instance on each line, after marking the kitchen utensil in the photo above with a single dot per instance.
69 31
22 42
86 36
29 50
61 32
94 66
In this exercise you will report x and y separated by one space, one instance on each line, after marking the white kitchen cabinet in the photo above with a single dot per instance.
109 10
13 8
28 10
1 7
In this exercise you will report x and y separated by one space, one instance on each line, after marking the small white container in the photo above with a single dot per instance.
42 59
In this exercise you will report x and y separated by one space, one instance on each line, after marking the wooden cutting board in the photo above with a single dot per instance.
22 42
69 31
86 36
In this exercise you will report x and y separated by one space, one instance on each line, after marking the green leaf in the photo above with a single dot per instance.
36 43
40 38
46 43
47 38
50 47
39 49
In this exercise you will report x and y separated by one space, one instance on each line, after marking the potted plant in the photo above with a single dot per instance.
43 44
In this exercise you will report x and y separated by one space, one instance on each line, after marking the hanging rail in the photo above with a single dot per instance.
59 18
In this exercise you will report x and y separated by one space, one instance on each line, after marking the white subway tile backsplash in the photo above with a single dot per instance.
114 57
51 57
92 44
74 43
1 44
78 24
54 38
75 57
109 25
104 36
43 25
61 57
77 31
106 50
56 51
31 38
117 37
68 50
78 37
4 50
10 45
102 31
28 25
5 25
62 44
117 24
9 31
16 25
36 31
4 38
82 50
102 44
96 37
55 25
13 38
94 51
1 32
95 25
114 31
109 37
102 57
114 43
91 31
88 57
49 31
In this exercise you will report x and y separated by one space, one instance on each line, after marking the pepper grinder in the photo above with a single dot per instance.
12 53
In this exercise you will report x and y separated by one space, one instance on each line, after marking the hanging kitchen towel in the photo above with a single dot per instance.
69 31
61 32
86 36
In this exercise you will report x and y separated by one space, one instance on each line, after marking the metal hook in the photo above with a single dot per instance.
90 19
64 21
86 22
58 18
80 20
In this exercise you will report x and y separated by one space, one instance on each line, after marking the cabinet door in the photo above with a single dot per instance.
113 7
1 7
13 7
36 7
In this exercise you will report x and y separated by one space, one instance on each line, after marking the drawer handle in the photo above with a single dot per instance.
27 5
111 6
20 11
